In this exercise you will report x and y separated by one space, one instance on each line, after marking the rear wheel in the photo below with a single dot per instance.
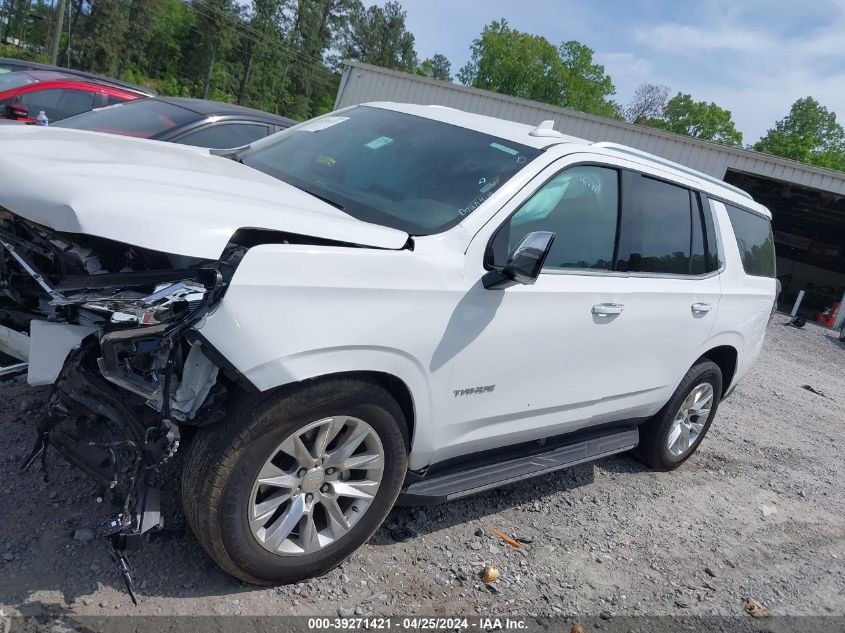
669 438
289 488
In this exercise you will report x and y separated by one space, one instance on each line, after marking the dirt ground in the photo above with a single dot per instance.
758 512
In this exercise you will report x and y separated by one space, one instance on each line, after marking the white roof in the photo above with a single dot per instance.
508 130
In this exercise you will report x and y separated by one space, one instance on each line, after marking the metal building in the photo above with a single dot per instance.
807 202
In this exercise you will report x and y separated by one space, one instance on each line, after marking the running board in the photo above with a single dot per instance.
477 478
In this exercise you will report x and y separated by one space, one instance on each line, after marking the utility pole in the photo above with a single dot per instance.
57 34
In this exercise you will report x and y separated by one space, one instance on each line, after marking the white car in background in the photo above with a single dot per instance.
391 302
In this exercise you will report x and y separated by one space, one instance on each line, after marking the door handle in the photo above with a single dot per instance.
605 309
701 307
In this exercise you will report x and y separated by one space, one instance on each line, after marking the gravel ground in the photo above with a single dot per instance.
758 512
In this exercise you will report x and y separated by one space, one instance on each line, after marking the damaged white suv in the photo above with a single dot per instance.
390 302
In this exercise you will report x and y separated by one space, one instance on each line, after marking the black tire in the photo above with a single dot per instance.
222 463
653 449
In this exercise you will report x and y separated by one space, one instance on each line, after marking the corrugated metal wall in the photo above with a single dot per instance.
362 83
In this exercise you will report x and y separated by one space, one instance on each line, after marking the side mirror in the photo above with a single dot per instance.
18 111
525 264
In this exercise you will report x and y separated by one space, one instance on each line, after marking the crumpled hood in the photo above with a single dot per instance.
160 196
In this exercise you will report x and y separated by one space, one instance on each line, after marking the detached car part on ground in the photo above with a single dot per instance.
390 300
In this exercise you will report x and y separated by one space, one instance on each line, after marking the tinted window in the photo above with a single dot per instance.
9 81
144 118
399 170
115 99
657 231
225 135
580 206
58 103
753 235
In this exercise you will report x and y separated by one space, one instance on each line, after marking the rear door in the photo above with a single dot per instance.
668 250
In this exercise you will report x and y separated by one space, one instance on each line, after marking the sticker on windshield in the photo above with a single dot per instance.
381 141
504 148
321 124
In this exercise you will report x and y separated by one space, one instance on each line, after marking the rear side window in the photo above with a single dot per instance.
225 135
656 232
753 235
143 118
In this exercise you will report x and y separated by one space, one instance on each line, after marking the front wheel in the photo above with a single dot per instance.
289 488
669 438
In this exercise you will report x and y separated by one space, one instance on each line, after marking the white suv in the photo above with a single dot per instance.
391 302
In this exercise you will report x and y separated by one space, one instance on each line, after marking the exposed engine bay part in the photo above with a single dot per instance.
14 343
50 345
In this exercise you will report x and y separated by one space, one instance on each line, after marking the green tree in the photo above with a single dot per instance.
378 36
700 119
436 67
529 66
215 36
103 45
587 85
809 133
310 84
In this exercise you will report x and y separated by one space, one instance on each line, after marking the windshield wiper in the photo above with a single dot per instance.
336 205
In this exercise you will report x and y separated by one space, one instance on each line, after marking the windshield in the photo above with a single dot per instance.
398 170
11 80
142 118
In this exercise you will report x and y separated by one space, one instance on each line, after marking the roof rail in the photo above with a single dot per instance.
663 161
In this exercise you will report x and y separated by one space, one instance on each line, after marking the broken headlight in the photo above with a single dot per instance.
169 302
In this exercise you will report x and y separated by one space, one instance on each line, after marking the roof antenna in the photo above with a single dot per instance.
546 128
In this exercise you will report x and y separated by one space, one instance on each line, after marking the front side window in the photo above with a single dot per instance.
657 233
399 170
580 206
753 235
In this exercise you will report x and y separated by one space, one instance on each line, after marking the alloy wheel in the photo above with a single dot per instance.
690 419
316 485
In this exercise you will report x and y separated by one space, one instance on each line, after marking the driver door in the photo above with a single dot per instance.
552 357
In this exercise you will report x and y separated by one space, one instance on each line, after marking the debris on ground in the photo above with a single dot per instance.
768 510
818 392
507 539
755 609
489 574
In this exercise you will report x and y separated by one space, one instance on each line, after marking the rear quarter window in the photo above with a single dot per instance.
753 235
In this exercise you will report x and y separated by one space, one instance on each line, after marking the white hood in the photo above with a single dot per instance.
160 196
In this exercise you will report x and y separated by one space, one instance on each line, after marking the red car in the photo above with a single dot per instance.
26 93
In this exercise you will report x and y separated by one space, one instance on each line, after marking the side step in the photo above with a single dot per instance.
475 477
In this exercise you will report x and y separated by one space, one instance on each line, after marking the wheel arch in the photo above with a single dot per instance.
394 385
726 357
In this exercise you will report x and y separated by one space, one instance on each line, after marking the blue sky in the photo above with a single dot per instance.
753 57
